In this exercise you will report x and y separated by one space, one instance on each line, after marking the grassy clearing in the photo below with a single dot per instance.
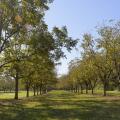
22 94
62 105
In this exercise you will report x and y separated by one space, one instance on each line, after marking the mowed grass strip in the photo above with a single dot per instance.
62 105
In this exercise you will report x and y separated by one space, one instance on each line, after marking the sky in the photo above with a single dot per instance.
80 16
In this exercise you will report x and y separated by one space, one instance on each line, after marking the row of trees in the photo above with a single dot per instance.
28 51
6 84
99 65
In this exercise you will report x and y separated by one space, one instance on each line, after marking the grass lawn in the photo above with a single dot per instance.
9 95
61 105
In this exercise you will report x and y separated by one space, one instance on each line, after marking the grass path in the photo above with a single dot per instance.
61 105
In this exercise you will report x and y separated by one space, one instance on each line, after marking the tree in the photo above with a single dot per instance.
24 35
99 62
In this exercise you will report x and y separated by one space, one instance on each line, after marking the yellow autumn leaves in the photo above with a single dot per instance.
18 18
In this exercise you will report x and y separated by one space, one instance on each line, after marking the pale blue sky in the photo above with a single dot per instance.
80 16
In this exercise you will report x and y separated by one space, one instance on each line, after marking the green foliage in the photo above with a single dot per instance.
99 63
28 50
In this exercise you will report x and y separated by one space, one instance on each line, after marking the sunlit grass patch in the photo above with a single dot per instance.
32 104
11 95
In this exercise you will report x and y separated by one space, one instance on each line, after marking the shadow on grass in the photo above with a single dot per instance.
61 106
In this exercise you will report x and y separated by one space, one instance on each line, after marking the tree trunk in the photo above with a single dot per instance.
86 84
37 91
92 91
40 90
86 90
76 89
34 90
16 86
105 91
81 89
27 95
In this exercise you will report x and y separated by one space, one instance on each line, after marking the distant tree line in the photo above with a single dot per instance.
99 65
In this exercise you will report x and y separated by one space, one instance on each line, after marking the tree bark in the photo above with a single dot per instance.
81 89
37 91
27 95
40 90
105 89
16 86
34 90
92 91
86 90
